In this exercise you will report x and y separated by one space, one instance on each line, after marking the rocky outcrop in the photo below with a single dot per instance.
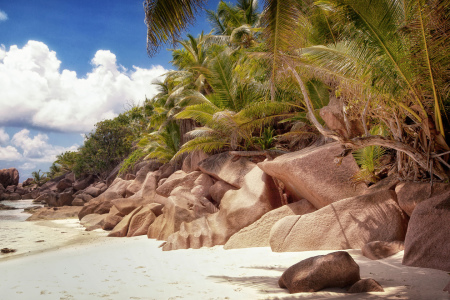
227 167
333 116
113 218
238 209
93 221
142 220
121 229
346 224
84 183
55 213
409 194
257 234
177 179
9 177
81 199
365 286
382 249
311 174
336 269
427 239
99 205
181 206
218 190
192 161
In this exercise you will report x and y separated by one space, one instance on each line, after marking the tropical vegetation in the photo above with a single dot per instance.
258 81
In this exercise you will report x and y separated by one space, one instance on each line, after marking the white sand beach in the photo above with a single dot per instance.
59 260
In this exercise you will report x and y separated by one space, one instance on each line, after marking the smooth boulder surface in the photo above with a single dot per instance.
192 160
227 167
427 242
258 233
381 249
409 194
177 179
366 285
238 209
313 175
336 269
346 224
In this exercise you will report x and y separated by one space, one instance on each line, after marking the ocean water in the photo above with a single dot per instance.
16 214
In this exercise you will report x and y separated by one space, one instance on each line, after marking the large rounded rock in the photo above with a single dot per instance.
227 167
112 218
381 249
427 242
84 183
346 224
141 175
257 234
9 177
238 209
311 174
365 286
119 186
409 194
337 269
63 184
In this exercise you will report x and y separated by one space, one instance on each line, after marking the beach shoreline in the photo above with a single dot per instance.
76 264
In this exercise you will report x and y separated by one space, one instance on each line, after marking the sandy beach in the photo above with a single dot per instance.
59 260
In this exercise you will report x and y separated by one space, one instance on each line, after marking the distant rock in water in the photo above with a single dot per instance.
9 177
5 207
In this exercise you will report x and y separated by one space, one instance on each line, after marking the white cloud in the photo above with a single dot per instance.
4 137
34 92
3 16
37 148
9 153
28 166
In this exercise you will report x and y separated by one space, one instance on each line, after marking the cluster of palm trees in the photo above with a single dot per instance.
261 75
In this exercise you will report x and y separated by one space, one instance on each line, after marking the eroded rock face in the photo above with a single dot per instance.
257 234
409 194
63 184
92 221
141 221
181 206
112 218
382 249
119 186
218 190
9 177
84 183
228 168
365 286
238 209
54 213
336 269
121 229
346 224
311 174
99 205
177 179
427 239
141 175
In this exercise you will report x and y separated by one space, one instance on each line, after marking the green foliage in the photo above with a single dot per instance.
162 144
131 161
104 148
368 159
266 140
39 178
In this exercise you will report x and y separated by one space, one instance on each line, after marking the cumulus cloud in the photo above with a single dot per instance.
37 148
28 166
3 16
9 153
34 92
4 137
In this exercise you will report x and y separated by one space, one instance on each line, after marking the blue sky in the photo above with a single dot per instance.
65 65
